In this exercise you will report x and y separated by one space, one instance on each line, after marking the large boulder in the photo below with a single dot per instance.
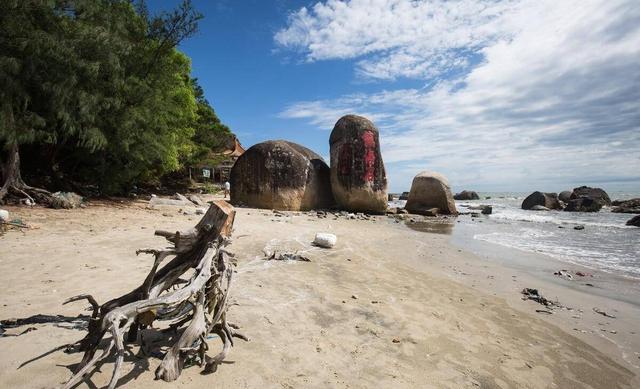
548 200
583 204
626 206
281 175
565 196
430 190
634 221
466 195
358 178
596 194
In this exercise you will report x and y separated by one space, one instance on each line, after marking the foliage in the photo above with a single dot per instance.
98 93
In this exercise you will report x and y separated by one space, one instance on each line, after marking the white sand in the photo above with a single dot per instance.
416 320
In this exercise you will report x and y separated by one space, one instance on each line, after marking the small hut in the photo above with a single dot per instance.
220 172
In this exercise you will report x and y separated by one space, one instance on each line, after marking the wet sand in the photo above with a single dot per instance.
387 307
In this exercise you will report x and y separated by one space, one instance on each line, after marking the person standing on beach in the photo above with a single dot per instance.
227 188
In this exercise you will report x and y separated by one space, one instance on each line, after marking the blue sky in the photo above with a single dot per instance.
513 95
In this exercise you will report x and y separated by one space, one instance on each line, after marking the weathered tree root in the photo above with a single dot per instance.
201 301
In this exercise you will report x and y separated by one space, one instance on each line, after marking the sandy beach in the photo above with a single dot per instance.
388 306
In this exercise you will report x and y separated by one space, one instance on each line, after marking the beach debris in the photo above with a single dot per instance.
200 211
66 200
325 240
191 290
581 274
544 311
156 201
563 273
533 294
196 200
578 227
181 197
4 215
603 313
287 256
395 340
353 296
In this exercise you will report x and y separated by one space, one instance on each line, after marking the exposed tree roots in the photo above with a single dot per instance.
199 303
13 183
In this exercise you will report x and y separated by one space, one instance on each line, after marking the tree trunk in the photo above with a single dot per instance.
13 179
11 171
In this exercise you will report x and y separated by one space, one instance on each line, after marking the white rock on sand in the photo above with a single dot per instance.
325 240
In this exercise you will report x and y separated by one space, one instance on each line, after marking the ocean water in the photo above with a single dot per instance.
605 243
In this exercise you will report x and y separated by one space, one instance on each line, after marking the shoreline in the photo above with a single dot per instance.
493 270
454 326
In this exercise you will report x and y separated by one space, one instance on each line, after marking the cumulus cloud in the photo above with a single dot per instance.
548 93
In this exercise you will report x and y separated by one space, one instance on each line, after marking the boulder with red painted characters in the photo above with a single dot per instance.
358 178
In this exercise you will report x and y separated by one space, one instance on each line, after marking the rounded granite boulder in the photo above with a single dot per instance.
281 175
358 178
430 193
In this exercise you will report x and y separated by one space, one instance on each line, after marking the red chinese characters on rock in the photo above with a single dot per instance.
369 142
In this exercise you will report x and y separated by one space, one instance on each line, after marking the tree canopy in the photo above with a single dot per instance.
98 94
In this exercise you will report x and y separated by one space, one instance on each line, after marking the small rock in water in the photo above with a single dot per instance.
325 240
539 208
579 227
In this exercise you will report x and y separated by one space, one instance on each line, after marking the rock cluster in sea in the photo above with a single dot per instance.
582 199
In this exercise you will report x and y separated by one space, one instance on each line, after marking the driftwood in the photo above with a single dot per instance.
199 303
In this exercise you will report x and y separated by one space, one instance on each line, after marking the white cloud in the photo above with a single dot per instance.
397 37
549 93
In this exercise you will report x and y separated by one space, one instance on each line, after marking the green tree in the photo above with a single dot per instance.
99 85
210 136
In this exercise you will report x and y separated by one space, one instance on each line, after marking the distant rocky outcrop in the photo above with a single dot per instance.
281 175
583 204
634 221
547 200
404 196
466 195
358 178
626 206
596 194
430 190
565 196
